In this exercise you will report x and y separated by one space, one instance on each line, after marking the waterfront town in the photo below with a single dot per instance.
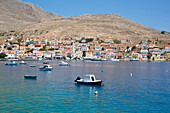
82 48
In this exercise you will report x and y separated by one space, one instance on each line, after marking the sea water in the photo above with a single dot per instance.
128 87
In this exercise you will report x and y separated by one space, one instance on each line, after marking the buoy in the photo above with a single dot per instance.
102 70
130 74
96 93
166 70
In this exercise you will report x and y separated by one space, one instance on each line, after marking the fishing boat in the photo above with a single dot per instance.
46 68
22 62
30 76
11 63
64 64
89 79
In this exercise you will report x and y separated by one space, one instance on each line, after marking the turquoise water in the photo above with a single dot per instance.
147 90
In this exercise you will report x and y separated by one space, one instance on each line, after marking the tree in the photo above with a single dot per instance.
89 40
84 53
149 56
51 49
162 32
9 48
133 48
27 44
19 39
117 41
2 55
102 48
127 49
149 41
31 50
43 49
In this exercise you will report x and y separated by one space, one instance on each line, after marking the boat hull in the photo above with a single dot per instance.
134 60
90 83
32 65
12 64
22 63
96 60
30 76
64 64
6 63
43 69
45 62
114 60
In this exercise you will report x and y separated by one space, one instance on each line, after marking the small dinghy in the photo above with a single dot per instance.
30 76
22 62
64 64
46 62
6 63
89 79
46 68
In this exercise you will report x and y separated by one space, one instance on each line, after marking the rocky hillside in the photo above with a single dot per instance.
29 20
15 14
102 25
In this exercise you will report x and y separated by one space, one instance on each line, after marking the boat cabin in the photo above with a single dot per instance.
46 66
89 78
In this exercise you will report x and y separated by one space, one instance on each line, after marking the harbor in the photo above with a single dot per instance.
127 87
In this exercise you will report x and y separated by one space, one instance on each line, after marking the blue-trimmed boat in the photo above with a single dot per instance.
89 79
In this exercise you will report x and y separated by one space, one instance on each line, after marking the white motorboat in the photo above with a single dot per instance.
46 68
64 64
89 79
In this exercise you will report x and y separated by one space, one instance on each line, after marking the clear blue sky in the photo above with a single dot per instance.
152 13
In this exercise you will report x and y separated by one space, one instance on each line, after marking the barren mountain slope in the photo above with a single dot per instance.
102 25
15 14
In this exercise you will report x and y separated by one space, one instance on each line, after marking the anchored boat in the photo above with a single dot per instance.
22 62
46 68
89 79
64 64
32 65
46 62
11 63
30 76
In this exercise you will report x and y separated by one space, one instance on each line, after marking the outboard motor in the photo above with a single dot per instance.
78 78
